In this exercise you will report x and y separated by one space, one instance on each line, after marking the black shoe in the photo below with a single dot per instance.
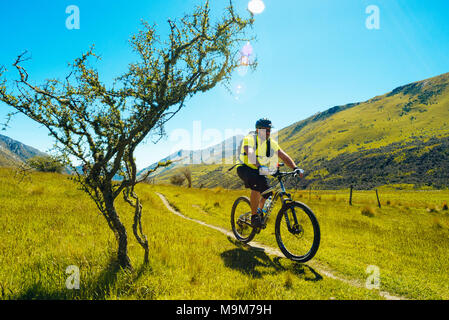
256 221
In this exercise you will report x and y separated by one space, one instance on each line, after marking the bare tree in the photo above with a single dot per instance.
101 126
177 179
188 175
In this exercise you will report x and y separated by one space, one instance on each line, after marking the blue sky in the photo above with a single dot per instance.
312 55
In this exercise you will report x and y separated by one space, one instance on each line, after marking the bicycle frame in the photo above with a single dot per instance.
279 192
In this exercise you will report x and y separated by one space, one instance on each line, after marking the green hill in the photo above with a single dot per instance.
401 137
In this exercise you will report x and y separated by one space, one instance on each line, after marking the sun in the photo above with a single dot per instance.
256 6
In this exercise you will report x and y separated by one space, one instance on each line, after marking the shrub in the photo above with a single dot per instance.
45 164
368 211
177 179
445 208
188 175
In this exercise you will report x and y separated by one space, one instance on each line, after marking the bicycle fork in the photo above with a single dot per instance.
295 228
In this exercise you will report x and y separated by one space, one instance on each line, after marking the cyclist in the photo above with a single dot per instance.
259 156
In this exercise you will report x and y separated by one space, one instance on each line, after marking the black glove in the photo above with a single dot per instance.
298 172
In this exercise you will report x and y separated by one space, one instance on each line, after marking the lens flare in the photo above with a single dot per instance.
242 70
246 59
256 6
247 50
239 90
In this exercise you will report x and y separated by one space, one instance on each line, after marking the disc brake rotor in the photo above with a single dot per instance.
298 230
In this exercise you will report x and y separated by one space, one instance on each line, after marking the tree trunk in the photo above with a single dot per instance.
122 252
137 227
120 233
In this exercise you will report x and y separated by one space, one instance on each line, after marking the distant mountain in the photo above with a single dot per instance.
212 155
398 139
13 152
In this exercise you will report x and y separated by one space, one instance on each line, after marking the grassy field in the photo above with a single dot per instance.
406 238
46 225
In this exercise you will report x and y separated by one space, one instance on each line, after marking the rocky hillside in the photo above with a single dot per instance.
13 152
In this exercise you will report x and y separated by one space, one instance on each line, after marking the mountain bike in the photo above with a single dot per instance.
296 228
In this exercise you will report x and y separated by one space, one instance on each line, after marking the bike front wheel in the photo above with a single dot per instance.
241 220
297 232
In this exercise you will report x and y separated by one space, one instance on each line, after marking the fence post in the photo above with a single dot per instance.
378 201
350 196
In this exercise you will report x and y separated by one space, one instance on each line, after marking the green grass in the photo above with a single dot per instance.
406 240
46 225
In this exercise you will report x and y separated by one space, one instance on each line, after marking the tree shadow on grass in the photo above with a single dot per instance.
98 288
256 263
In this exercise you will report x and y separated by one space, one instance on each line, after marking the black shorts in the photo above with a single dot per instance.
253 179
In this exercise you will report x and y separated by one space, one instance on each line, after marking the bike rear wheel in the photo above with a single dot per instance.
298 238
241 220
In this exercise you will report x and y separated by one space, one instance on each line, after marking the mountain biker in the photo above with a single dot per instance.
259 155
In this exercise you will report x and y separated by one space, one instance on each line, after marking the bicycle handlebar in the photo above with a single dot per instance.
283 174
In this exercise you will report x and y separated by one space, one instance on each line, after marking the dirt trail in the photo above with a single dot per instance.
276 252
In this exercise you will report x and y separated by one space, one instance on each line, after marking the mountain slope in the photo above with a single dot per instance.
13 152
418 110
211 156
401 137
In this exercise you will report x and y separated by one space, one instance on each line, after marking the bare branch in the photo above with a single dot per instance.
101 126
